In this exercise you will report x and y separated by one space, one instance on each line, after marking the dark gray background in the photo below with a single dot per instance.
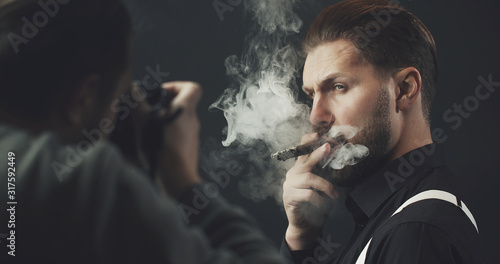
189 40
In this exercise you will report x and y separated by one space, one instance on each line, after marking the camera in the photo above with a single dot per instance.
142 149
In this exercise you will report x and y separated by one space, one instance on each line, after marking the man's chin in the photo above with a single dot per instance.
346 177
352 175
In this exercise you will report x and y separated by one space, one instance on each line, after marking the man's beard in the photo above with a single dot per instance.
376 136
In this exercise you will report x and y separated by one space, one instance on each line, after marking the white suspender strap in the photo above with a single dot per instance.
425 195
440 195
362 256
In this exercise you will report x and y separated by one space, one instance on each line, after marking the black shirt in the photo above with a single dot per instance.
429 231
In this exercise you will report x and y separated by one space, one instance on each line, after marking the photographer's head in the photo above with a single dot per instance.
371 64
62 62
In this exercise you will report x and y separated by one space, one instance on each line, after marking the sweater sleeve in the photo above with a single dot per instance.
138 224
85 204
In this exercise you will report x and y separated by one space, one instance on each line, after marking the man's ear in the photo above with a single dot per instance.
81 103
409 83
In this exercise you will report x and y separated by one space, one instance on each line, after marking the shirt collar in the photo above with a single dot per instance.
372 192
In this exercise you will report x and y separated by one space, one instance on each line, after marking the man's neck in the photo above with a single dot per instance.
414 135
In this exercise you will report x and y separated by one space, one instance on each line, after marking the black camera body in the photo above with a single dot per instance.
150 140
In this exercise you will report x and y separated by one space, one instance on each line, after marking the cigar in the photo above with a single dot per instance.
307 148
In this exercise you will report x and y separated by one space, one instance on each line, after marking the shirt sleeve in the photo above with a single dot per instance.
296 256
415 243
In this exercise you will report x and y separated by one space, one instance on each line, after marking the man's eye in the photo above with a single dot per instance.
338 87
311 95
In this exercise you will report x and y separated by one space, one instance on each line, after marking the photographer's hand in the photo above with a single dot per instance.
178 158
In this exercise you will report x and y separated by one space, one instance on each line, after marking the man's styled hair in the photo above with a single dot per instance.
386 35
48 46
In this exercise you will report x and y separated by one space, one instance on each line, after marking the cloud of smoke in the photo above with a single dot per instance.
347 154
261 106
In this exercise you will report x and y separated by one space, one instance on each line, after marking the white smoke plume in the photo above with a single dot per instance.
347 154
261 106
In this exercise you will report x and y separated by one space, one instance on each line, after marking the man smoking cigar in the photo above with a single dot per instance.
372 65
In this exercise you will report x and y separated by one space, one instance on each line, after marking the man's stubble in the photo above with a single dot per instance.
376 136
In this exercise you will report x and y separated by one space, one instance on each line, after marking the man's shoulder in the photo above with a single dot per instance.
431 211
428 225
434 212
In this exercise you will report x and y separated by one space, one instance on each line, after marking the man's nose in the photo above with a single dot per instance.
321 112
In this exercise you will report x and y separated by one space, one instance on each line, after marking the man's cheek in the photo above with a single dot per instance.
353 116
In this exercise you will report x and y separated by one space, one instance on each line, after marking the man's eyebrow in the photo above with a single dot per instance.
326 80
